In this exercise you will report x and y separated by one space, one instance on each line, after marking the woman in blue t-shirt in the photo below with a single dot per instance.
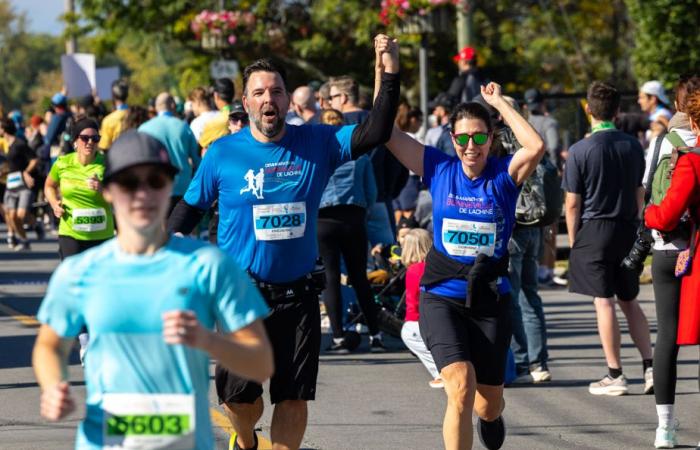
464 308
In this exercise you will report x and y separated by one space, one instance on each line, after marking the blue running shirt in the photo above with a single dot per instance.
269 195
129 369
469 216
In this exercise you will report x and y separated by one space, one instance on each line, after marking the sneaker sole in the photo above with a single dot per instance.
664 445
648 391
613 392
541 379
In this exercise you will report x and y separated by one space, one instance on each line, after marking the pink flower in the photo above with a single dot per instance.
231 39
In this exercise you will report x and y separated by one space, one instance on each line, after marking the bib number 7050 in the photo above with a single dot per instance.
468 238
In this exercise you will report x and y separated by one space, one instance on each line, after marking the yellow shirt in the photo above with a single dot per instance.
111 128
214 129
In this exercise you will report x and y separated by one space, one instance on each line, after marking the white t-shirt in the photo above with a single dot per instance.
197 125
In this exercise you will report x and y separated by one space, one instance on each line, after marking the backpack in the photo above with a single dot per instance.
662 167
540 199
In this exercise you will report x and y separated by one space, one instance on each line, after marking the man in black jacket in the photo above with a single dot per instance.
467 84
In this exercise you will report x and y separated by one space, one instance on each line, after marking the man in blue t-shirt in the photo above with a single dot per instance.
268 180
150 302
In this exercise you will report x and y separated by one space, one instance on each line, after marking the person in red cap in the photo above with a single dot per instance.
467 84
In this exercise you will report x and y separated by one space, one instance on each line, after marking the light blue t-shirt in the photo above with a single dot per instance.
269 195
469 216
182 146
121 297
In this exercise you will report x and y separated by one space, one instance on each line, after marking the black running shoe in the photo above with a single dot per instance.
492 434
338 348
233 444
376 345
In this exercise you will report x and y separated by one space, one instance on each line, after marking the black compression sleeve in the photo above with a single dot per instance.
184 218
376 129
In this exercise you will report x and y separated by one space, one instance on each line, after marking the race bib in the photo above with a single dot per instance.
466 238
15 180
148 421
279 221
89 219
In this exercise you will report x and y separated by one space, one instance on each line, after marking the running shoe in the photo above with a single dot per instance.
666 436
523 378
649 381
11 242
376 345
540 374
338 348
22 246
233 443
609 386
437 383
492 434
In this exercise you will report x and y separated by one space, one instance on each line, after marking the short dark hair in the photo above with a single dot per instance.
223 87
471 110
8 126
603 100
120 90
263 65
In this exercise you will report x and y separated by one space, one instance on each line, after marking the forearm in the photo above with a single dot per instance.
376 130
250 358
31 166
184 218
50 365
640 202
51 194
573 218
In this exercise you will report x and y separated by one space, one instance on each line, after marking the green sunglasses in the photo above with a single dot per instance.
463 139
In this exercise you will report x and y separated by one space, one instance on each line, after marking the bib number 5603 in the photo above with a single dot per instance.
148 424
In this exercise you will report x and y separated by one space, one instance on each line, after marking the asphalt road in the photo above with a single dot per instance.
368 401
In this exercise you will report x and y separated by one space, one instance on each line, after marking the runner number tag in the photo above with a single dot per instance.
92 219
279 221
148 421
466 238
15 180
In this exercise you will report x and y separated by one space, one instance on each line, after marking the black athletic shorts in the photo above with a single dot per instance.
453 333
594 261
294 330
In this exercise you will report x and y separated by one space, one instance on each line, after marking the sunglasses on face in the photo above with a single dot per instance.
478 138
131 182
87 138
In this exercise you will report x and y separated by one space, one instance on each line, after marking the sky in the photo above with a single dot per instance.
42 15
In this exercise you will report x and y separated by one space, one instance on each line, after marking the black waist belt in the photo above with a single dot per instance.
311 283
483 273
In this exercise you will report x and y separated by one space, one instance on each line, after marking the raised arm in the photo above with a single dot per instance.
376 129
526 159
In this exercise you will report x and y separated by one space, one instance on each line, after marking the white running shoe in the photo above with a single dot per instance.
540 374
437 383
666 436
609 386
649 381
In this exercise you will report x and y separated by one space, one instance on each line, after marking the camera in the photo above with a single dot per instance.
640 250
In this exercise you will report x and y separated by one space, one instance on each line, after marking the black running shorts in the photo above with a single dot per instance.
294 330
594 262
455 333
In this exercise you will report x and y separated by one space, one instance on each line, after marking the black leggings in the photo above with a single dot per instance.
68 246
341 231
667 291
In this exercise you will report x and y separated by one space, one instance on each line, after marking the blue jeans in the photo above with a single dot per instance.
529 343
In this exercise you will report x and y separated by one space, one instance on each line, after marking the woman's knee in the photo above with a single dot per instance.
460 384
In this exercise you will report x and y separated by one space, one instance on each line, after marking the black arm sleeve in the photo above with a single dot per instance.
376 129
184 218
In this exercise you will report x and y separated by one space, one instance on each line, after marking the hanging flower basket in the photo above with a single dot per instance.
217 29
418 16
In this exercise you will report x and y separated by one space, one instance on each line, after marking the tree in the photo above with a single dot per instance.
666 42
22 57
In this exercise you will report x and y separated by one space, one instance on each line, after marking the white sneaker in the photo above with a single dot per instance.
609 386
649 381
540 374
666 436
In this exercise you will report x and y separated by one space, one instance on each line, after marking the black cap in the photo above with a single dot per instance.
133 148
83 124
533 98
237 108
442 99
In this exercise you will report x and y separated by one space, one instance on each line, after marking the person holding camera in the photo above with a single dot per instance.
677 285
604 199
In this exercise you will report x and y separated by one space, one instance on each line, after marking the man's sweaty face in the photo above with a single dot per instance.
267 102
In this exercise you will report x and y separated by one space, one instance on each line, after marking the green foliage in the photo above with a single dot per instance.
666 38
22 57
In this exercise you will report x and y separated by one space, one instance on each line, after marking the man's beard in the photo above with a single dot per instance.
268 130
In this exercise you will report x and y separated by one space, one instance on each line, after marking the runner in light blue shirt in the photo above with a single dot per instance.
150 303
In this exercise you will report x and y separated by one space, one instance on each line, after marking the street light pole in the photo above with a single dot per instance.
71 44
465 28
